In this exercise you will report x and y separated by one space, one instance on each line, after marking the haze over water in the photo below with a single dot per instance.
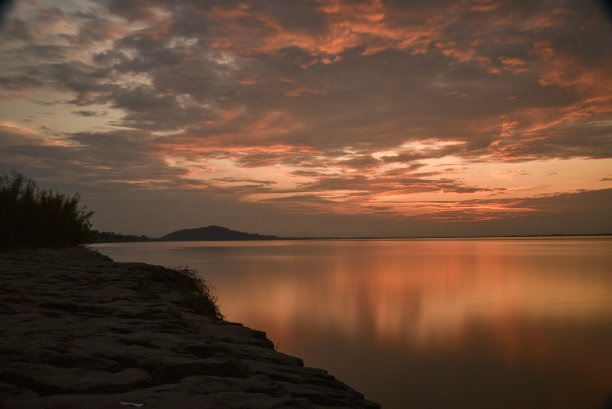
423 323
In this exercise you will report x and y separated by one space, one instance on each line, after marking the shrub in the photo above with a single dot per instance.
35 218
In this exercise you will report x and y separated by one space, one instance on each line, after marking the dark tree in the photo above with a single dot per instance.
35 218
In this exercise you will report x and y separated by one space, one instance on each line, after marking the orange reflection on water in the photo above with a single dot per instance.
426 293
527 315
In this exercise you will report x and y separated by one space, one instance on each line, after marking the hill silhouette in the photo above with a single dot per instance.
213 233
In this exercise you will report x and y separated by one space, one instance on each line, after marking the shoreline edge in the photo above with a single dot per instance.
80 330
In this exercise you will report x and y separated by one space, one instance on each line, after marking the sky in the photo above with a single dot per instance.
315 118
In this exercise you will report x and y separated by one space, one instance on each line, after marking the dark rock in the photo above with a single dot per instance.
91 332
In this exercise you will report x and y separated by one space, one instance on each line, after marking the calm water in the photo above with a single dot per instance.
436 323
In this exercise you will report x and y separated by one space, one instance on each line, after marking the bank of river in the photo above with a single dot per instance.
79 330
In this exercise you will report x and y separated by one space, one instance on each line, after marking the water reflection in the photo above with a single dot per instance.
430 323
422 296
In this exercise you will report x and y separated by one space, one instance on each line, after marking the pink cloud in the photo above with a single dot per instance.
368 25
515 65
568 71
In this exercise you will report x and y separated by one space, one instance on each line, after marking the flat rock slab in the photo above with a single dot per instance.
78 330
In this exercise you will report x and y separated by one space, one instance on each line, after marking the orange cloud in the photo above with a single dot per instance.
565 70
368 25
514 64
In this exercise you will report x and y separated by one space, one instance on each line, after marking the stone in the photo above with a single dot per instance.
81 331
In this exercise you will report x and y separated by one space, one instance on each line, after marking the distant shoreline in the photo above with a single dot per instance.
140 239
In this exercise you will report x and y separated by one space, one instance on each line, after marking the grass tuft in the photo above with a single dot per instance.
196 293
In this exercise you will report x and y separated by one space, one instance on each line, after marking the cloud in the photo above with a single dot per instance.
89 113
5 8
341 106
171 79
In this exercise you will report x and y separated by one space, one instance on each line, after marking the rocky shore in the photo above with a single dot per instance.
78 330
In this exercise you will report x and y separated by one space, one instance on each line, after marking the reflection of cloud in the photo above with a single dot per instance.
435 298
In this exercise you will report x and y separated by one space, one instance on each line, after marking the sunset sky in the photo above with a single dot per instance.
328 117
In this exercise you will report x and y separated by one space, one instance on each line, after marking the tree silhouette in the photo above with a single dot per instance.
35 218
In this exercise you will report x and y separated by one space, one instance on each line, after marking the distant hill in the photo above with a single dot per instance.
212 233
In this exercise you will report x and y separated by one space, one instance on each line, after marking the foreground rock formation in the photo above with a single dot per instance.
78 330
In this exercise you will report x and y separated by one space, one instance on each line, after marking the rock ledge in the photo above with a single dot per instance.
78 330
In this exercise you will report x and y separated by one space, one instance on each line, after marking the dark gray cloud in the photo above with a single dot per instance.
5 8
89 113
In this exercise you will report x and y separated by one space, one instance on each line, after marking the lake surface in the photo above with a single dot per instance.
424 323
